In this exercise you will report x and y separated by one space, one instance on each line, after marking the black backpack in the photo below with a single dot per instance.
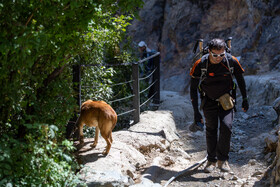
203 51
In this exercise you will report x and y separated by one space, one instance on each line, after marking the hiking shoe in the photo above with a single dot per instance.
210 166
196 127
223 166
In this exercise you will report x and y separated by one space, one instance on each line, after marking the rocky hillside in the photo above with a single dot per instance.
173 26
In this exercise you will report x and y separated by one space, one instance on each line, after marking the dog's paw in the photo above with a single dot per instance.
105 153
93 145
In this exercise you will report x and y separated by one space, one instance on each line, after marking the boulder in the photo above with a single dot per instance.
276 107
263 89
271 143
130 152
275 179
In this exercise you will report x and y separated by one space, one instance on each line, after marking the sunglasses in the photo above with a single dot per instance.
216 55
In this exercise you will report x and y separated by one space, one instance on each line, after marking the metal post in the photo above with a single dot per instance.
157 79
77 83
77 89
136 98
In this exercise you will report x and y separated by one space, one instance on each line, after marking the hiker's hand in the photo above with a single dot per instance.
245 105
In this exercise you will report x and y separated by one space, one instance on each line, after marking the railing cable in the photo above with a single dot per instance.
148 87
148 99
126 112
143 78
121 99
117 84
122 64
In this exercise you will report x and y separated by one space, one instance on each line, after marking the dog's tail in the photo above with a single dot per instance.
114 122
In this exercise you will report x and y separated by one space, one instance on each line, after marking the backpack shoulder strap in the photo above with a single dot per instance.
204 63
203 68
229 60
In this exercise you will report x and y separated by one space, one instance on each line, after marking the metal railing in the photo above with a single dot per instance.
154 85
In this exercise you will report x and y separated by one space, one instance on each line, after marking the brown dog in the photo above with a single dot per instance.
100 115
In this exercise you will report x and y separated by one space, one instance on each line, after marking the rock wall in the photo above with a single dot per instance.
275 179
173 26
263 89
275 166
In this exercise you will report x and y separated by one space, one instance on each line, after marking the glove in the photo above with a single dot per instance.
245 105
197 116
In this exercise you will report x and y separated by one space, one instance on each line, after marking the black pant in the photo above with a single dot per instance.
217 146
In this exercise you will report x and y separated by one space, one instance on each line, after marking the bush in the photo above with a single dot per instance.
38 160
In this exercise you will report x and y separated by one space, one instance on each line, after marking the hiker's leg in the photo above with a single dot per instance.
226 119
210 111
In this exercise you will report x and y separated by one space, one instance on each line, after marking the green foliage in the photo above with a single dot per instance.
40 39
37 161
110 46
39 43
95 83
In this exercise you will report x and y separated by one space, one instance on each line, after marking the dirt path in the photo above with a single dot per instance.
247 157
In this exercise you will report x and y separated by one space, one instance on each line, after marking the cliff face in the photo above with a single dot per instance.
173 26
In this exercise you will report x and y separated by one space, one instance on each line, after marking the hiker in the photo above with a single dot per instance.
145 52
147 67
212 76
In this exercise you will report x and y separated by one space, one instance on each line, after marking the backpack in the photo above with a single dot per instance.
203 54
204 50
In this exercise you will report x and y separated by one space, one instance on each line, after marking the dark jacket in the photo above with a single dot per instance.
218 79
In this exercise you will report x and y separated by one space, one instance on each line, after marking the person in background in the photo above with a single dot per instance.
145 52
147 67
212 75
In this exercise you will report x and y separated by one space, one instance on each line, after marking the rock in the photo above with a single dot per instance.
276 107
114 168
96 178
245 116
252 162
167 161
173 101
152 172
271 143
263 89
146 182
267 156
156 130
257 173
154 133
182 153
248 150
275 179
234 178
275 63
172 27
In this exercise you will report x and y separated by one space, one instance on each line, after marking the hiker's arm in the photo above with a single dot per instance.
242 86
194 99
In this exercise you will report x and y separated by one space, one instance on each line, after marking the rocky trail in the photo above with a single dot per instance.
150 152
248 158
